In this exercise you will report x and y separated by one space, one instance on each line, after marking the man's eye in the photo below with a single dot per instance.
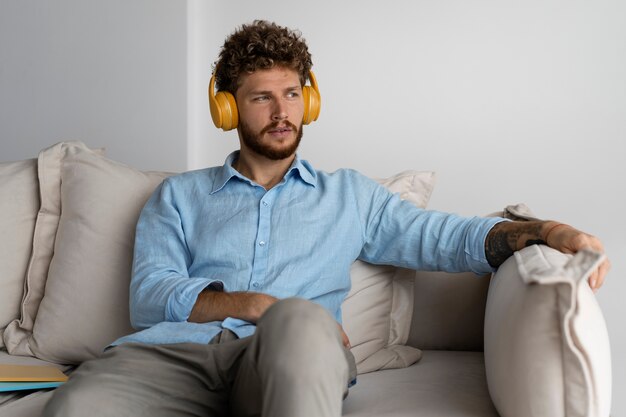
261 98
292 94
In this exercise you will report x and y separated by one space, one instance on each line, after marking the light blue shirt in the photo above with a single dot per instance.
215 227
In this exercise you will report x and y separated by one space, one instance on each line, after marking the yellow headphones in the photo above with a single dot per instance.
224 107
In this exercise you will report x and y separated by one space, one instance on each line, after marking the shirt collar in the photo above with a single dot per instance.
304 170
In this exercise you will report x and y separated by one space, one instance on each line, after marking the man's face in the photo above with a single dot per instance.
270 112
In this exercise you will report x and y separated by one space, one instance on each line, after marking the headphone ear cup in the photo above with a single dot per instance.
312 104
306 98
223 108
312 100
227 107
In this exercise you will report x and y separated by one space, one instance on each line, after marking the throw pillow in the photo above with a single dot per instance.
546 343
19 203
378 310
47 221
85 305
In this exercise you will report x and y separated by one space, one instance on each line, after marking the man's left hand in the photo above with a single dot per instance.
567 239
508 237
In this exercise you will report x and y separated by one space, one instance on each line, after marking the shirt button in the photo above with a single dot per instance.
255 284
262 243
265 203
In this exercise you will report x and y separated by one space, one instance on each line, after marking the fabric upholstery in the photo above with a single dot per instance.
19 203
47 221
449 310
85 305
446 384
546 343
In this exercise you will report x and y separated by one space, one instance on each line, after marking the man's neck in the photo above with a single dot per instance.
265 172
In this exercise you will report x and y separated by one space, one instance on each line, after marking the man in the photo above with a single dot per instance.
240 270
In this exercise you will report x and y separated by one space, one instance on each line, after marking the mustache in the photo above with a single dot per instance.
274 125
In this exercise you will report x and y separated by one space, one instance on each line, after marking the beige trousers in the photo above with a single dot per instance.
294 365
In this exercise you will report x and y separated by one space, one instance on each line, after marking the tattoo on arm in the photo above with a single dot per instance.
508 237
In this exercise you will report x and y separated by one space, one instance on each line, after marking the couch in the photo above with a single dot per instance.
530 340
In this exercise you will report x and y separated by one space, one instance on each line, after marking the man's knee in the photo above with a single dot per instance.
301 333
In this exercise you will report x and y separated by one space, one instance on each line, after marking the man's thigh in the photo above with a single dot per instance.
151 380
295 364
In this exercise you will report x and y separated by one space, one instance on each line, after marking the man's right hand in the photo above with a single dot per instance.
344 337
217 306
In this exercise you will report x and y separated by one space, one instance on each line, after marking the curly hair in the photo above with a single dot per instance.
261 45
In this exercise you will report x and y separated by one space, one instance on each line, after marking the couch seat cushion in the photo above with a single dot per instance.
442 383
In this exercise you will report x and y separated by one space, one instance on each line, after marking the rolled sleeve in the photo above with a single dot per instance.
475 240
184 296
161 288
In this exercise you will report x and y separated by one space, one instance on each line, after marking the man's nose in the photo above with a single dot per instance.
279 111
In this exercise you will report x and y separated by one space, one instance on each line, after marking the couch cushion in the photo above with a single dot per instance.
19 203
49 179
85 305
546 343
449 311
378 309
447 384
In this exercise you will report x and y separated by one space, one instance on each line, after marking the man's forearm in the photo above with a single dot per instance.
218 305
249 306
508 237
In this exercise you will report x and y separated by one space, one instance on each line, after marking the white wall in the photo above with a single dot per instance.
508 101
111 73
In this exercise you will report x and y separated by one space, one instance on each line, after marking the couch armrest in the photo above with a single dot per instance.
546 343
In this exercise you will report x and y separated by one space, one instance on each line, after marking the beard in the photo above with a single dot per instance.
254 141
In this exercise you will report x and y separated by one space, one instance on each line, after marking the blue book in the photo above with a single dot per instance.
29 377
20 386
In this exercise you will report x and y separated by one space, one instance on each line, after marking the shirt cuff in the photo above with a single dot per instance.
181 301
475 244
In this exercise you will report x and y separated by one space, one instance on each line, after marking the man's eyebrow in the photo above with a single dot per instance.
268 92
259 92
